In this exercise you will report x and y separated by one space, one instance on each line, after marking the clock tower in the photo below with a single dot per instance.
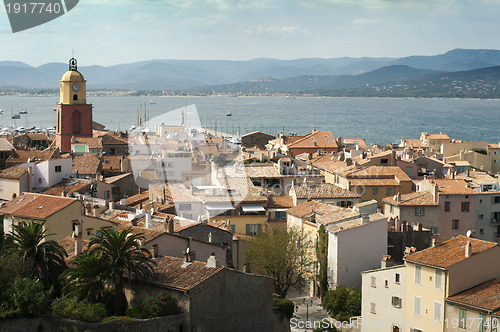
74 115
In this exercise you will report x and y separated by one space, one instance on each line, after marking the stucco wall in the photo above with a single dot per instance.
381 295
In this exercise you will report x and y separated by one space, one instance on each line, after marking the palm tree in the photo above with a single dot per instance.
87 278
44 258
121 249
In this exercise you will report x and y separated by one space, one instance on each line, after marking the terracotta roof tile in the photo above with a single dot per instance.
438 136
359 141
22 156
485 296
453 187
267 171
280 202
14 172
424 198
68 186
170 273
88 164
354 223
316 139
91 142
450 252
323 191
37 206
5 145
111 163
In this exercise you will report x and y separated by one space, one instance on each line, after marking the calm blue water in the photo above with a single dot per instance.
378 120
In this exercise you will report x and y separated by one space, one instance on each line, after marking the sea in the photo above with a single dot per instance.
377 120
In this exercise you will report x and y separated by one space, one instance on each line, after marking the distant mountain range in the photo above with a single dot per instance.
460 72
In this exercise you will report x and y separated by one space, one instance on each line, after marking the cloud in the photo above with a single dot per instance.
364 21
281 30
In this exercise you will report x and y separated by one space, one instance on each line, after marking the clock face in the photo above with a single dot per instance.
76 87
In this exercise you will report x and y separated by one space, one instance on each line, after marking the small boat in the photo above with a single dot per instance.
16 116
23 112
151 102
235 140
228 113
1 111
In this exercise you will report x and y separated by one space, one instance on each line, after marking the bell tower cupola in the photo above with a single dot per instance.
73 86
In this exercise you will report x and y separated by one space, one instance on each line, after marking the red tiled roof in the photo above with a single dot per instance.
92 142
13 172
88 164
37 206
323 191
281 201
424 198
450 252
22 156
454 187
485 296
316 139
170 273
68 186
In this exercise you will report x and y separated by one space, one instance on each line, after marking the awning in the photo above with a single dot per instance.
219 206
277 209
253 208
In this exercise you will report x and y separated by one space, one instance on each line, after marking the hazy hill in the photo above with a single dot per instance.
292 75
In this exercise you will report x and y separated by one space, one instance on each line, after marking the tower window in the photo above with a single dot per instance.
75 97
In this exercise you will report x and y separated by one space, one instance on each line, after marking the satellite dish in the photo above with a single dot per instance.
469 233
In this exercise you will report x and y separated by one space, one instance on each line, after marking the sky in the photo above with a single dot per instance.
107 32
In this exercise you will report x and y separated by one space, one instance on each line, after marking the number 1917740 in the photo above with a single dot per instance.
472 323
33 8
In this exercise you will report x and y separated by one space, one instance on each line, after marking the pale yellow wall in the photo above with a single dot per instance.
67 92
14 186
450 149
241 222
428 293
60 224
475 159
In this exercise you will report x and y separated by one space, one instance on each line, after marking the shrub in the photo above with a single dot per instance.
284 307
157 305
29 297
69 307
343 303
113 318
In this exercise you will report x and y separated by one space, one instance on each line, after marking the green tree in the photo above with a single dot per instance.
343 303
44 258
322 257
123 253
279 254
87 277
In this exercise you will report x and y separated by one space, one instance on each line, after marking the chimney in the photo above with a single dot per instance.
435 240
386 261
122 202
95 211
365 218
468 249
78 239
212 261
111 205
169 226
245 268
148 219
398 197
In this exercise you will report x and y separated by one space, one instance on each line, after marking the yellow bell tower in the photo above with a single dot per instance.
73 86
74 115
